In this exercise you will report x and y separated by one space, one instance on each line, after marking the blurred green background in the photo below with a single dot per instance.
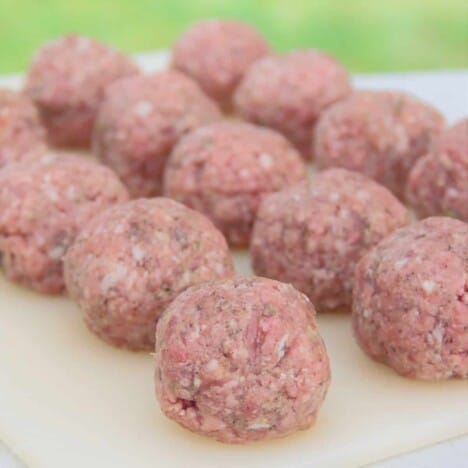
367 35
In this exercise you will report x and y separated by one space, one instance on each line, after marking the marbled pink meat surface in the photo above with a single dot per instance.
378 133
225 170
21 133
288 93
217 54
141 119
410 300
438 182
241 360
67 79
43 205
312 234
132 260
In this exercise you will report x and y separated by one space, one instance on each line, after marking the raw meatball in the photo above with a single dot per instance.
378 133
216 54
438 182
43 205
141 119
311 235
289 92
410 300
20 129
241 360
225 169
132 260
66 81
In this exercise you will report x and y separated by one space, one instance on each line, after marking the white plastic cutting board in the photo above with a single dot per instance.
69 400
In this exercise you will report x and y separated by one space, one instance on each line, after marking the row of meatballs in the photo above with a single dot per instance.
238 359
241 359
89 95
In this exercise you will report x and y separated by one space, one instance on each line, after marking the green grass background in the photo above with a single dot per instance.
367 35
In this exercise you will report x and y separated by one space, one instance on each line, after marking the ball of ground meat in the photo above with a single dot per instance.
438 182
312 234
225 169
140 120
410 300
20 130
132 260
216 54
288 92
378 133
43 205
241 360
66 81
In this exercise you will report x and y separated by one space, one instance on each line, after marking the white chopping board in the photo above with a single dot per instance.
69 400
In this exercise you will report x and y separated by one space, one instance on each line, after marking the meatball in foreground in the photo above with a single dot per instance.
43 205
66 81
288 92
312 234
410 300
217 54
241 360
132 260
378 133
20 130
140 121
225 170
438 182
